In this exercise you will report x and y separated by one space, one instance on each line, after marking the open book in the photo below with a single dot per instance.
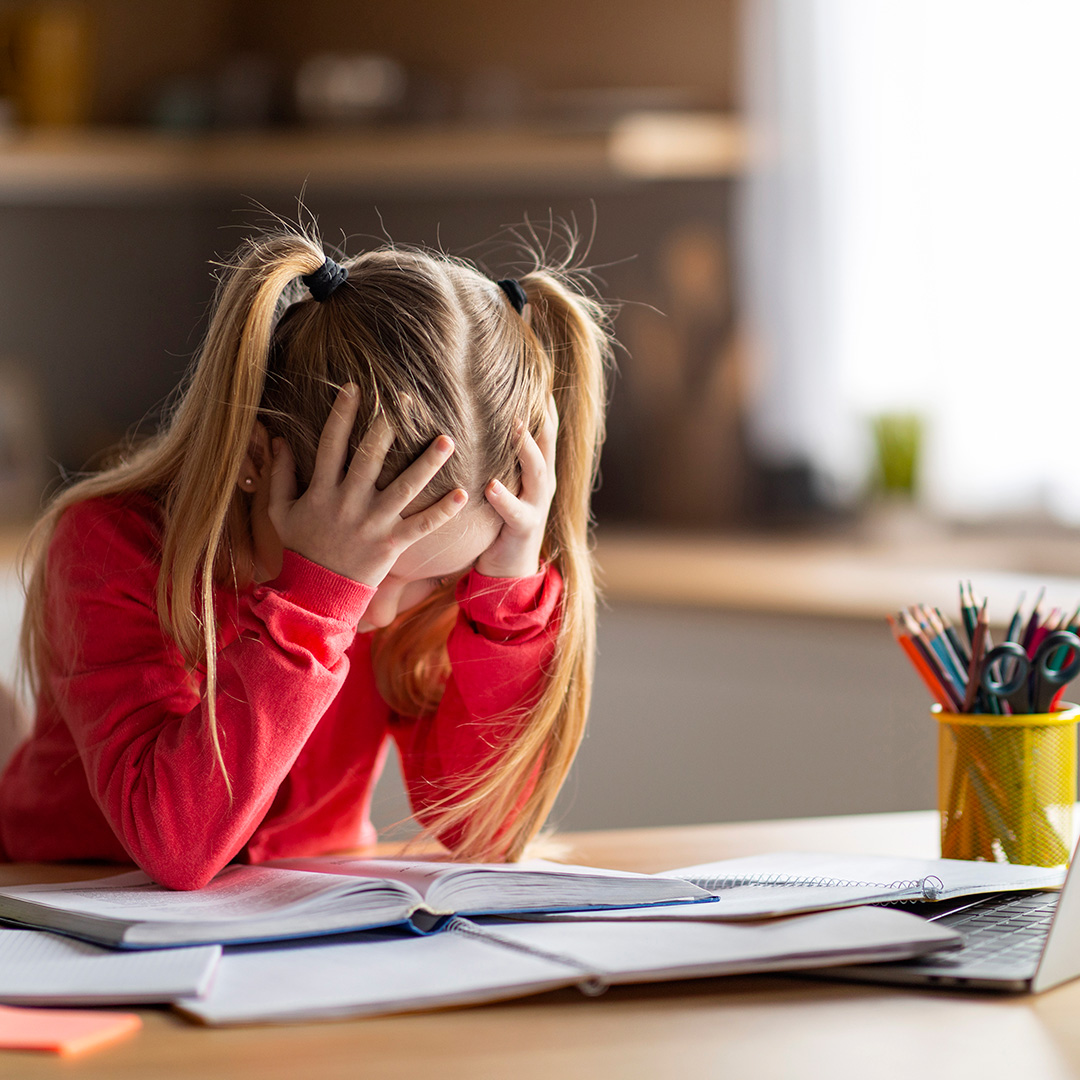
765 886
300 898
493 959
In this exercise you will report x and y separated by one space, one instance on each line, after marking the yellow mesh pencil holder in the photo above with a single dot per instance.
1006 785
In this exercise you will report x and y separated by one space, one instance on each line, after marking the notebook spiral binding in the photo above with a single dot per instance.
928 888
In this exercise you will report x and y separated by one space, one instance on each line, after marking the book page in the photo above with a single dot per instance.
417 874
473 888
236 893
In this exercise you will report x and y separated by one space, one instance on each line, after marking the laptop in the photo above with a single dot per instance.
1013 942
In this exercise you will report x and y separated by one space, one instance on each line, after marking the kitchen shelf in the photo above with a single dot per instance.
42 166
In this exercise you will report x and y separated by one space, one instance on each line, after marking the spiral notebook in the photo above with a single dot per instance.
770 885
778 884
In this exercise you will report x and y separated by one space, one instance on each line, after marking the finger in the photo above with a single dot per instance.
367 462
507 505
549 433
334 441
282 480
418 475
417 526
534 469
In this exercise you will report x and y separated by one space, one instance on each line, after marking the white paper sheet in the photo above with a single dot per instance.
368 976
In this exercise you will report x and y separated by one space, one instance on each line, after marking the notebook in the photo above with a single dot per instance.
39 968
770 885
298 898
477 961
1023 944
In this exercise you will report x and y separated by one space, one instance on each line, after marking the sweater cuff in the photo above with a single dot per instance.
321 591
505 609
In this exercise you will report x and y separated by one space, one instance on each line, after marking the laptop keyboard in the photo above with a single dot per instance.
999 932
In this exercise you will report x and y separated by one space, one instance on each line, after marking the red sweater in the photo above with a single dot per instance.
119 766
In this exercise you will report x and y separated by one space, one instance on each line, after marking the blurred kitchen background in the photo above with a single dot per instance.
842 235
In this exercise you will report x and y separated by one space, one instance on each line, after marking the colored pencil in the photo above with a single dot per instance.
1033 622
958 657
978 654
933 661
954 638
1014 622
967 614
920 665
950 663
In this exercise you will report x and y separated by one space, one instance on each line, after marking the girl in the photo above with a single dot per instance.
366 519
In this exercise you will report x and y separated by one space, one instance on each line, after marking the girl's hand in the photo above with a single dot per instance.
342 521
516 550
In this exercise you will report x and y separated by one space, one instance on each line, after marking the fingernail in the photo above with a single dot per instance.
444 444
495 486
351 389
461 496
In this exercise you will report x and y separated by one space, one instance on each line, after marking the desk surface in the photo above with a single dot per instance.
761 1026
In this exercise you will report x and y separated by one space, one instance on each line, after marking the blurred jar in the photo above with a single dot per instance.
52 59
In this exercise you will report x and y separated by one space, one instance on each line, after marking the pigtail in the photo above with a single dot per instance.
190 468
566 334
215 423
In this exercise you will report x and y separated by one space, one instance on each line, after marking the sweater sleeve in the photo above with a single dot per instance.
499 649
138 714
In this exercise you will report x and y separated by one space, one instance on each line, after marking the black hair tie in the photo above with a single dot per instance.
325 280
514 293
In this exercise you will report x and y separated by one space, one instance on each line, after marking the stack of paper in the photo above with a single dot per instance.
552 926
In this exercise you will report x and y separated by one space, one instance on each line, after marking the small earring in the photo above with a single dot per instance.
248 481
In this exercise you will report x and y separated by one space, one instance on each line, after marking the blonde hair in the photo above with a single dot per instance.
436 348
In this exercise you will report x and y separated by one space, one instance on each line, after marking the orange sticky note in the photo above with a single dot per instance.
65 1031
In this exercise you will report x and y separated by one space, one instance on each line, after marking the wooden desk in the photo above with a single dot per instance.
763 1027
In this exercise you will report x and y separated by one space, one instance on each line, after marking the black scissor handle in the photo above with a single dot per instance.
1060 639
1008 650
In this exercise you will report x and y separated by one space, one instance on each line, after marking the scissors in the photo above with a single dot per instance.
1034 682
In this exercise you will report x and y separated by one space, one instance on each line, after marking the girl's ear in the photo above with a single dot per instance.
255 468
